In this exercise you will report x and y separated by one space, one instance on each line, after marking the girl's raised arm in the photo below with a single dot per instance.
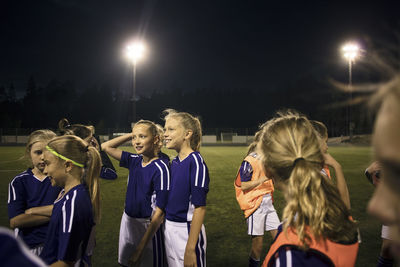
110 147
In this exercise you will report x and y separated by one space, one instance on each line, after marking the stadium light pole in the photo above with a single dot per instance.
350 52
134 53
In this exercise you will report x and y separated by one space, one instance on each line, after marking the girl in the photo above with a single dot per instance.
146 196
30 189
329 161
185 237
87 133
254 194
316 224
74 166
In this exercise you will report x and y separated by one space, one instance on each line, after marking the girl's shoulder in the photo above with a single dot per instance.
160 161
23 175
193 159
76 195
130 155
196 157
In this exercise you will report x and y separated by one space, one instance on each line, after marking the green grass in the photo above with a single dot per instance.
228 243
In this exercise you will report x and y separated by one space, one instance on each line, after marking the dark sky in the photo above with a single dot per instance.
190 44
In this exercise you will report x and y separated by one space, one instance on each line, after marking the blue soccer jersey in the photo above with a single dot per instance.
164 157
27 191
148 186
189 187
70 226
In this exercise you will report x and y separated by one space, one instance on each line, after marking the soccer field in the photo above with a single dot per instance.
227 241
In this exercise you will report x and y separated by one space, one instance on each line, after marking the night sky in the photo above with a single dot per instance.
190 44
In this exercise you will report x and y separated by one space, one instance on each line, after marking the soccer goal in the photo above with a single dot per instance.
227 137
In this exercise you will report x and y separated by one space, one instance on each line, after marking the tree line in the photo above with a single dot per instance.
219 108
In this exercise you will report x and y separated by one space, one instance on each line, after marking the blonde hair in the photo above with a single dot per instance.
37 136
160 130
320 128
188 122
152 127
252 147
79 151
291 152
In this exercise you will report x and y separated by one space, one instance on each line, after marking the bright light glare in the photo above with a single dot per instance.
350 51
135 51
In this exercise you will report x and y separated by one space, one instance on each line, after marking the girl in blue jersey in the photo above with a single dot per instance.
74 166
185 237
29 189
146 196
317 229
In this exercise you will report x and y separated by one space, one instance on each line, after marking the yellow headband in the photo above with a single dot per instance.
62 157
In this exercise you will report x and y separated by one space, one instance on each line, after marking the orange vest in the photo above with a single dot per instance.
327 171
342 255
250 200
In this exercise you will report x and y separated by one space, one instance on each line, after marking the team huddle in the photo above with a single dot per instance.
54 206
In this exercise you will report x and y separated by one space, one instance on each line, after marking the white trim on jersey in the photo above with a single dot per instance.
12 186
9 193
13 189
63 213
289 258
197 170
166 167
161 176
72 211
190 210
204 171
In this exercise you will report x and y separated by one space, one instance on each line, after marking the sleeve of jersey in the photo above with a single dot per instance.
199 180
74 231
127 158
161 184
246 171
107 173
16 198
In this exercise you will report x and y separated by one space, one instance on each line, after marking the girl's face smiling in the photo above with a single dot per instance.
142 140
174 135
54 168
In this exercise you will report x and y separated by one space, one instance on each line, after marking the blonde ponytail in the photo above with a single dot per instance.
292 154
91 177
